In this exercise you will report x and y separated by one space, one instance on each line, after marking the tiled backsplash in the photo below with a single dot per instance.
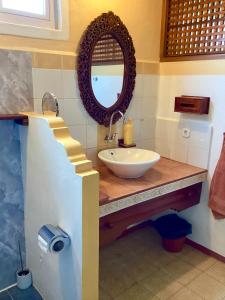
171 141
63 83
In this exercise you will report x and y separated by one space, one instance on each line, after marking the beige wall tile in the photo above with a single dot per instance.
53 61
147 67
34 60
139 67
151 68
47 61
68 62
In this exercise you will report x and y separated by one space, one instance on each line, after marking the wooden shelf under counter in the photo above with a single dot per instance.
124 202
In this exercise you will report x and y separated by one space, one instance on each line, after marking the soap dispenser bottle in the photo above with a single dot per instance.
128 132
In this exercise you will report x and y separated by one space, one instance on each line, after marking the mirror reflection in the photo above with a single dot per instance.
107 71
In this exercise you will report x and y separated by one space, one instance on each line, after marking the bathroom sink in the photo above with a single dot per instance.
128 163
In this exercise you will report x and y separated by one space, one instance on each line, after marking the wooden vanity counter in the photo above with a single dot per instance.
167 185
165 171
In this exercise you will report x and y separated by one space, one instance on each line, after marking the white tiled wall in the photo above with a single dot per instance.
63 83
47 80
143 109
165 135
202 149
203 146
171 143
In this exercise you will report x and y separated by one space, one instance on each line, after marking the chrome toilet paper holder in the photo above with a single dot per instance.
53 239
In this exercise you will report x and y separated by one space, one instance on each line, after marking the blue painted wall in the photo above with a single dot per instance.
16 94
11 202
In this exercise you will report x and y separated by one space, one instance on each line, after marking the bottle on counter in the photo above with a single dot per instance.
128 132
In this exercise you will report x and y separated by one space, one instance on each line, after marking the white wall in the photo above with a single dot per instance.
55 194
199 150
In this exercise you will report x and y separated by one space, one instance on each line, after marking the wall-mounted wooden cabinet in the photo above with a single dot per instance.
192 104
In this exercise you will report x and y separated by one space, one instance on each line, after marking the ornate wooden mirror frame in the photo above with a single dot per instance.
107 23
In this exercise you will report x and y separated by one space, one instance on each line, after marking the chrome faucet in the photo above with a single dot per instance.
111 136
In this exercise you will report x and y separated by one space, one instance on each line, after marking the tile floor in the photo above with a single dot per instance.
137 268
17 294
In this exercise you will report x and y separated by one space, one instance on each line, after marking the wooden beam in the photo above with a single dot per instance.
18 118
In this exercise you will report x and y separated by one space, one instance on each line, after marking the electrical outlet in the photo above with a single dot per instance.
186 132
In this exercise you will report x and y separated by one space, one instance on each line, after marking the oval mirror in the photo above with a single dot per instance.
107 70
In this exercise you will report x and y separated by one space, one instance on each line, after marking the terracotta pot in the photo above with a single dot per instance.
175 245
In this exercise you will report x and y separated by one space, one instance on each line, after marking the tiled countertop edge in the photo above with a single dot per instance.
126 202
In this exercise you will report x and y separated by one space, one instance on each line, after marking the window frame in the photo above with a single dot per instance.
37 26
27 14
164 58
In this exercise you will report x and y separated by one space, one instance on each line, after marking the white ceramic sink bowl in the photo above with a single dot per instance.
128 163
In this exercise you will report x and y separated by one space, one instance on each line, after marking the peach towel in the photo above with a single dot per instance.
217 189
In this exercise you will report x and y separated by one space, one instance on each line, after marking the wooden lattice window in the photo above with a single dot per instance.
107 51
193 28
